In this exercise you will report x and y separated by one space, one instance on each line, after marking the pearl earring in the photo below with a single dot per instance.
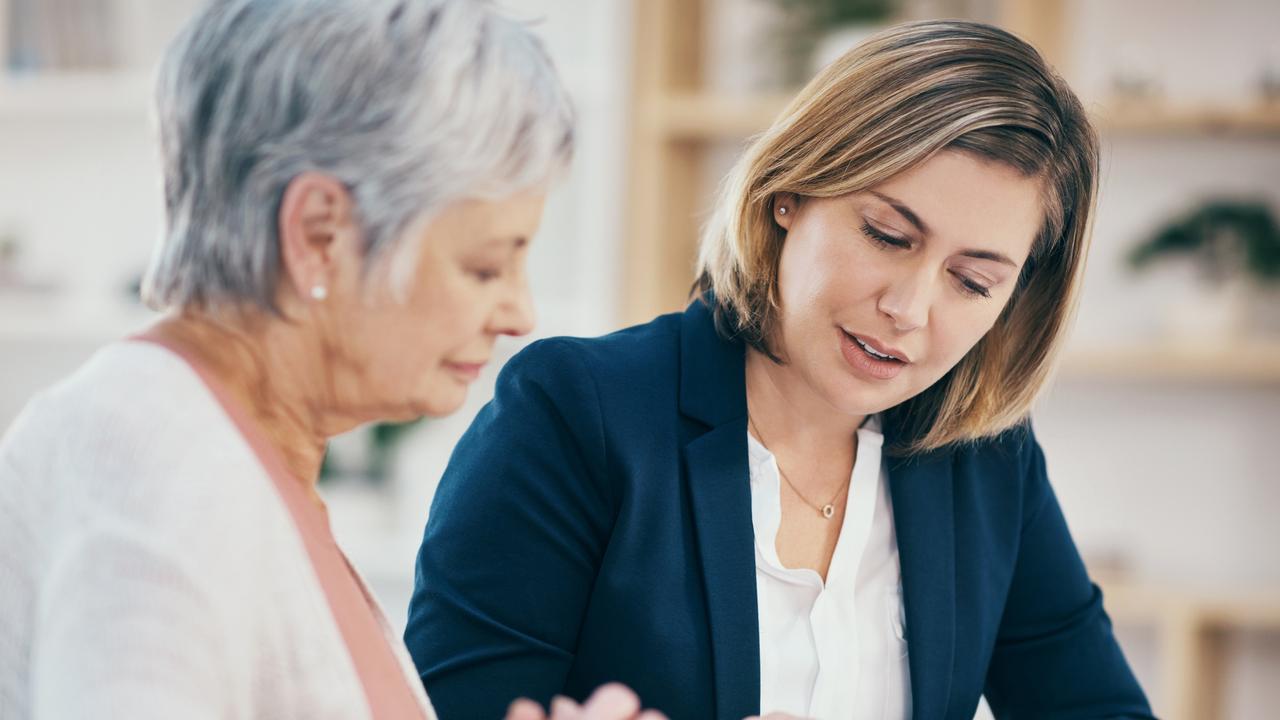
782 210
319 292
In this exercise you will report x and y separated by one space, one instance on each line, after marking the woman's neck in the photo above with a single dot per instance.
794 419
267 367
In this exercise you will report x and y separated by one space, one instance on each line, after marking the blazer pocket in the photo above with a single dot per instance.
897 623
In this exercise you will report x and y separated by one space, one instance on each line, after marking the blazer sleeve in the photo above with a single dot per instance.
513 541
1055 655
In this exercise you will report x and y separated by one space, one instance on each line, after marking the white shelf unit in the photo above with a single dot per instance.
1252 361
53 319
80 95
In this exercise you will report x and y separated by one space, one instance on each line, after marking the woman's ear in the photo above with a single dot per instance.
784 209
317 234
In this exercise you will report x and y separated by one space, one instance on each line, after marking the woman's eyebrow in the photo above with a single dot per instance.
914 219
514 241
989 255
904 211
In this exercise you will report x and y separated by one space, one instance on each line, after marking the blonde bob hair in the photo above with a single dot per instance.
889 104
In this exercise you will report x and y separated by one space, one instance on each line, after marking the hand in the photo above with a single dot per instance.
608 702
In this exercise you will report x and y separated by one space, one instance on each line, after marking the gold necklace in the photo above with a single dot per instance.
829 509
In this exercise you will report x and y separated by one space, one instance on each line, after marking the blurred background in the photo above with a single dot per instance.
1162 430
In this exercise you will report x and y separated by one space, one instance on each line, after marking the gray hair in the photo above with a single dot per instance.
411 104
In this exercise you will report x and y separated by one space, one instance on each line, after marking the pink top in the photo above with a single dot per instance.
359 620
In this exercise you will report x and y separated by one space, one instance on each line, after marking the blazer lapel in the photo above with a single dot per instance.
713 392
718 483
922 492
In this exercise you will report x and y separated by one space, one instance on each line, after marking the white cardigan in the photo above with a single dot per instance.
148 566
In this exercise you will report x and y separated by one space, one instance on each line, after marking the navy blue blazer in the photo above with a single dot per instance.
594 525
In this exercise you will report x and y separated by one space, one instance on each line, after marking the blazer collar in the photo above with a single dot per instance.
712 380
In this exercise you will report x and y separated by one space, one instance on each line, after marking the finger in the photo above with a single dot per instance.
611 702
525 709
651 715
562 708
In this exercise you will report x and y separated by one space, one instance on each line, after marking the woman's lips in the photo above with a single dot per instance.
864 364
468 371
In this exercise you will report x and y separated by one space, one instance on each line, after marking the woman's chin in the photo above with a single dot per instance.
440 401
854 397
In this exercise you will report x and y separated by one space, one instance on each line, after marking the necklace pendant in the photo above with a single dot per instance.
828 511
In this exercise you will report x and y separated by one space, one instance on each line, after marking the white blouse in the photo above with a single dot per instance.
839 650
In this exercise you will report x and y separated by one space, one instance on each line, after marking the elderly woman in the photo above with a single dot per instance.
816 490
350 187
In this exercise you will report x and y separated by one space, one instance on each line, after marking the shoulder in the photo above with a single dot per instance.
135 437
1012 448
1007 468
634 360
585 393
139 404
621 353
125 388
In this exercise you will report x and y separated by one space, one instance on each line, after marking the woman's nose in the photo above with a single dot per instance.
906 302
515 315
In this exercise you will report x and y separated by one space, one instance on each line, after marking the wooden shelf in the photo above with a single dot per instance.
704 116
711 117
1248 120
1253 361
1147 604
1191 628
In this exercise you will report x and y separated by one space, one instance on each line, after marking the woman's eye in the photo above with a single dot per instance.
973 288
882 238
486 275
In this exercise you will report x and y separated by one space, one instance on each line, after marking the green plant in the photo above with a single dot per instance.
383 439
803 23
1225 237
821 15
